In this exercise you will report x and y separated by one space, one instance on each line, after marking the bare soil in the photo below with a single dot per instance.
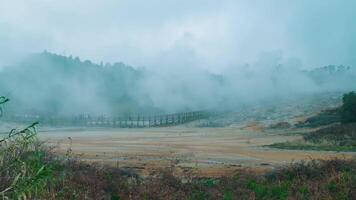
208 152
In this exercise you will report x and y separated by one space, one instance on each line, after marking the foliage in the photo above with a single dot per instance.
23 171
326 117
348 109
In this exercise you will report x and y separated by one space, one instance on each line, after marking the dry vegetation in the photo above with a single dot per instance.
338 135
30 170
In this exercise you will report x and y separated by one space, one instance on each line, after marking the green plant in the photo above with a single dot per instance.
228 195
21 165
303 192
210 182
198 195
348 109
24 173
260 190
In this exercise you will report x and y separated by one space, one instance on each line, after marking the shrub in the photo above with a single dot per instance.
24 172
348 109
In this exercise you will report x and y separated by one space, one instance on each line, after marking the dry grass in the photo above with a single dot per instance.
338 137
29 170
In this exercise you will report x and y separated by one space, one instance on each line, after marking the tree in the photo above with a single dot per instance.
348 109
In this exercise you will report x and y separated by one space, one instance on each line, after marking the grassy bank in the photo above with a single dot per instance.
312 147
339 137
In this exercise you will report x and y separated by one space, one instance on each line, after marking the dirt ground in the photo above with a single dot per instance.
208 152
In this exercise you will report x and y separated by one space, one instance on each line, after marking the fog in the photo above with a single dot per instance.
188 55
218 33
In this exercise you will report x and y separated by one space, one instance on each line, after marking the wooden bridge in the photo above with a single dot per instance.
128 121
141 121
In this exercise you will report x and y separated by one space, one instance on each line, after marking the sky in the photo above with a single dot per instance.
168 34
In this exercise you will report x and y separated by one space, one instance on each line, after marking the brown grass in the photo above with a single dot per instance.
316 179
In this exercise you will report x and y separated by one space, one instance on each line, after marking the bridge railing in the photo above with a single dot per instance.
128 121
141 121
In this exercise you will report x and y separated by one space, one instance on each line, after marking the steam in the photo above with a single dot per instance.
218 33
189 55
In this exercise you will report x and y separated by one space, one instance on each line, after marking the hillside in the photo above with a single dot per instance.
334 77
50 84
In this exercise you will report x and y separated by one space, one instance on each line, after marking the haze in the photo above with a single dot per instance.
213 35
188 55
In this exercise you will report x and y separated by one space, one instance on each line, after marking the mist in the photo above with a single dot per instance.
219 34
177 55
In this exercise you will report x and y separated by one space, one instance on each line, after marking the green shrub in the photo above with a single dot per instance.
348 109
198 195
23 170
228 195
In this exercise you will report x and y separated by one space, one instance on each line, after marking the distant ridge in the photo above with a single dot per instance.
49 84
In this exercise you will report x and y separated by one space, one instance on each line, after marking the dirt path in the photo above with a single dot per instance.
209 151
